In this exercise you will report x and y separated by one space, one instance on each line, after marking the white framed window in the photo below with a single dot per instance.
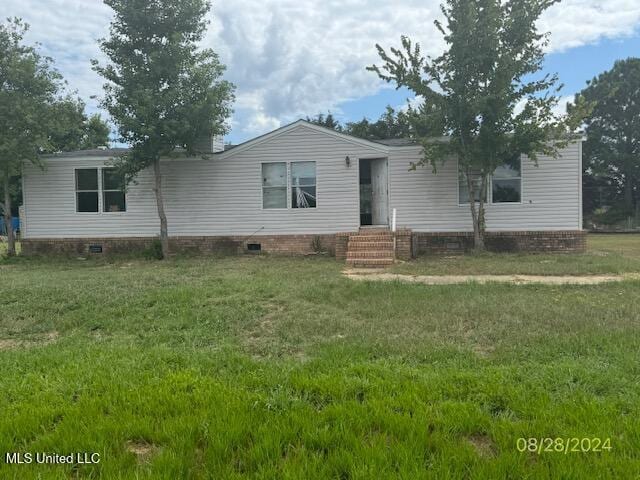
506 182
463 188
289 185
504 186
87 191
303 184
99 189
113 195
274 185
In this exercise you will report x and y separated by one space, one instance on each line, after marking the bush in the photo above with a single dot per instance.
614 215
154 251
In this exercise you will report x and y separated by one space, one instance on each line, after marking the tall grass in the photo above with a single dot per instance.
267 367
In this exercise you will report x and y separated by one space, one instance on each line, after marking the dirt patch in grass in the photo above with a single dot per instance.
12 344
482 279
483 445
144 451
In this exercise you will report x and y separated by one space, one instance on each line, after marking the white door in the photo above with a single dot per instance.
379 192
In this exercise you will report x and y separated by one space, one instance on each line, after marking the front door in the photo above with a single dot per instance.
379 192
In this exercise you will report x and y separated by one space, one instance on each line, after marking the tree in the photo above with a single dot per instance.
162 91
612 149
327 121
29 88
473 91
391 124
74 130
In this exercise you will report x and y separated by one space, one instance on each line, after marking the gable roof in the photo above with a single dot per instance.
379 146
382 146
96 152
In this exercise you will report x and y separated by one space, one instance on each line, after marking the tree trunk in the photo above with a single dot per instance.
628 193
164 232
11 241
479 241
477 215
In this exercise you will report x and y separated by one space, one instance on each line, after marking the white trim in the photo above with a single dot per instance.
288 186
100 192
76 191
489 199
580 200
103 191
23 225
302 123
315 183
371 158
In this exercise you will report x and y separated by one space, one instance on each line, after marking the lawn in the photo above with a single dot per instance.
267 367
606 253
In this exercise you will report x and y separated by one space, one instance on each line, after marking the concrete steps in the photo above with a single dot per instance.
370 249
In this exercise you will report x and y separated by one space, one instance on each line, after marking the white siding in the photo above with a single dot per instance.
218 196
223 195
428 202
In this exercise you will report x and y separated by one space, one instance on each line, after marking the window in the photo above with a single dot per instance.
297 183
506 182
463 189
87 190
274 185
303 185
113 197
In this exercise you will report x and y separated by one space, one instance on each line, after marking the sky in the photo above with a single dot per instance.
295 58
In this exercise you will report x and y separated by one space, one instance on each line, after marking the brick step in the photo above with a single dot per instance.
370 262
368 231
370 245
371 238
370 254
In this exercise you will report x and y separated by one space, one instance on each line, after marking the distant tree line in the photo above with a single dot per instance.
391 124
611 160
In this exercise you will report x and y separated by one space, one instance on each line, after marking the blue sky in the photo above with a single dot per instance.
293 58
574 67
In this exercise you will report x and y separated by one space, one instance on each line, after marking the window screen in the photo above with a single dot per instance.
303 184
463 188
507 182
274 185
87 190
113 195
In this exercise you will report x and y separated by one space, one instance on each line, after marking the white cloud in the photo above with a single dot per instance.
574 23
292 58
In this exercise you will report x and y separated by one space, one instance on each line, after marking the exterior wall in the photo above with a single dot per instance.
460 242
219 196
428 202
279 244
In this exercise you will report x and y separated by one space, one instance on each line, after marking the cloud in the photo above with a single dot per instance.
292 58
574 23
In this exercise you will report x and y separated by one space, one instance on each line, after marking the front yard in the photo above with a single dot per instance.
267 367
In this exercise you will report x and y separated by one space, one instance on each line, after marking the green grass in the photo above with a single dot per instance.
266 367
3 248
606 254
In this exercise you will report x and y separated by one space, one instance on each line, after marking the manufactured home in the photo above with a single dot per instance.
300 189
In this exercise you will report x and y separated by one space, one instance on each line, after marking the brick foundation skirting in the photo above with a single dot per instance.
408 244
573 241
280 244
